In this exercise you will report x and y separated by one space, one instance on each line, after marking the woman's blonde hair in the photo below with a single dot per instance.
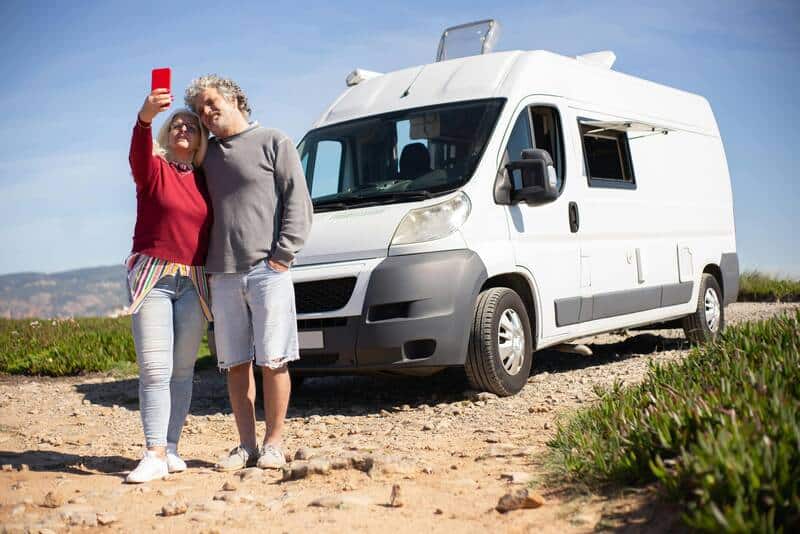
161 145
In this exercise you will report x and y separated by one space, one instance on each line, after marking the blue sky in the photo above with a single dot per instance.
77 72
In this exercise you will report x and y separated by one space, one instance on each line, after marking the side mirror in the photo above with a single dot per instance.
539 179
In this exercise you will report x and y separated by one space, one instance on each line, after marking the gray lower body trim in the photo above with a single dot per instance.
582 309
729 265
418 311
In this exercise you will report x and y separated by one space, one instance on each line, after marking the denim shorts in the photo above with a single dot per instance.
254 317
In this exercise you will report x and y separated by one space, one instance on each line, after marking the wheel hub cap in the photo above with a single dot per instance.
511 341
713 309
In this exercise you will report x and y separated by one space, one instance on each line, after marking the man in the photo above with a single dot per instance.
262 216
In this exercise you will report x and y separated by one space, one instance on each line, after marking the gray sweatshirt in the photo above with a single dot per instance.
260 200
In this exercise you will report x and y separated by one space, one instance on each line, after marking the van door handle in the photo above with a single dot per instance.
574 218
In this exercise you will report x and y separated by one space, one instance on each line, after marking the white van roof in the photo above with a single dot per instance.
516 74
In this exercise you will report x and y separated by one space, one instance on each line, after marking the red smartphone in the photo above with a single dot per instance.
161 79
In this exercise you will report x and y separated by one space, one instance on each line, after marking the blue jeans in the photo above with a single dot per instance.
167 331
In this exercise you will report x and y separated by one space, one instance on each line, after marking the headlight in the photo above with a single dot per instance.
433 222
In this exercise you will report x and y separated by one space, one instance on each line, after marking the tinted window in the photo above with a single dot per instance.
607 157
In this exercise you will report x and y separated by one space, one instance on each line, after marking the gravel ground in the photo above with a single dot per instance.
66 445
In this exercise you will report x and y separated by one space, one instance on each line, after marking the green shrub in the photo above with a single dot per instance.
71 346
759 287
720 430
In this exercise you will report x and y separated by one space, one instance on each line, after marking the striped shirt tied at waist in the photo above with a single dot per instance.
145 271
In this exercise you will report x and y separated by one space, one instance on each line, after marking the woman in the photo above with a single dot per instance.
166 277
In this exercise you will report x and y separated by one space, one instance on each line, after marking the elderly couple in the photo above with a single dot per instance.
252 181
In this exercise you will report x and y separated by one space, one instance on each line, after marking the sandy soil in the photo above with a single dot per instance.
66 445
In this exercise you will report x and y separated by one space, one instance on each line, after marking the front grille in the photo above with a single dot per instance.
323 295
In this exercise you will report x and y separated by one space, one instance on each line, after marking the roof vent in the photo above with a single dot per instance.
605 59
469 39
360 75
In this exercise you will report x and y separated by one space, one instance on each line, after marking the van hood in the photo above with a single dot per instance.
354 234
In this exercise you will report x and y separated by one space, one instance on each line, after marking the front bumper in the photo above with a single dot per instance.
417 312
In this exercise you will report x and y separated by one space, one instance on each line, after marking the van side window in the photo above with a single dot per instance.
607 157
547 135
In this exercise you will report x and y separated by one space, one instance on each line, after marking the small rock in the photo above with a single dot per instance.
547 425
363 463
53 499
519 499
229 486
77 500
395 500
7 468
319 466
340 462
517 477
339 501
385 413
78 518
295 471
303 453
427 426
16 486
105 518
438 511
175 507
24 467
18 510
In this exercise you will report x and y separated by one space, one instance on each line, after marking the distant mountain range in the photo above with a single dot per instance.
97 291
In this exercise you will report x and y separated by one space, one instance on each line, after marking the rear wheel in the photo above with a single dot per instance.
708 320
500 347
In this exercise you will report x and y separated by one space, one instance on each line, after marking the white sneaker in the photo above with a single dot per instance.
150 468
174 462
270 457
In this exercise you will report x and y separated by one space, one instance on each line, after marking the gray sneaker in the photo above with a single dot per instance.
238 458
270 457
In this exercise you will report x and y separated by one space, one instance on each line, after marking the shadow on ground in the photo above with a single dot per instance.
75 464
362 395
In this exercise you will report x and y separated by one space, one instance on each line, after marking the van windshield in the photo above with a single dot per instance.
396 157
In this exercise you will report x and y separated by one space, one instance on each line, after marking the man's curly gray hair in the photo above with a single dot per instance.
225 86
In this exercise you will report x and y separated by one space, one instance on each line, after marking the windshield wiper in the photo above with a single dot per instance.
353 199
330 206
397 194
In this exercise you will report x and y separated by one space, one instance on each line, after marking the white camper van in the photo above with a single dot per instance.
472 211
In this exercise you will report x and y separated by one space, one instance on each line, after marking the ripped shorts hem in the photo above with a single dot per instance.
277 363
227 366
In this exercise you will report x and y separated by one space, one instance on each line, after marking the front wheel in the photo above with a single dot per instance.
500 347
708 320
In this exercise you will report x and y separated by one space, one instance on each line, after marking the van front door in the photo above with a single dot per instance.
546 237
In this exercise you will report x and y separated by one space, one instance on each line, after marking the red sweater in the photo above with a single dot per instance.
173 214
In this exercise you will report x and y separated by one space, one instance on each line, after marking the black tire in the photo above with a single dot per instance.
484 366
700 327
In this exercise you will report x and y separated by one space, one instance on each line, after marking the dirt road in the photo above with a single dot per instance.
66 445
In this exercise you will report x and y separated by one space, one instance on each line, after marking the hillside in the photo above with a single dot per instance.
96 291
